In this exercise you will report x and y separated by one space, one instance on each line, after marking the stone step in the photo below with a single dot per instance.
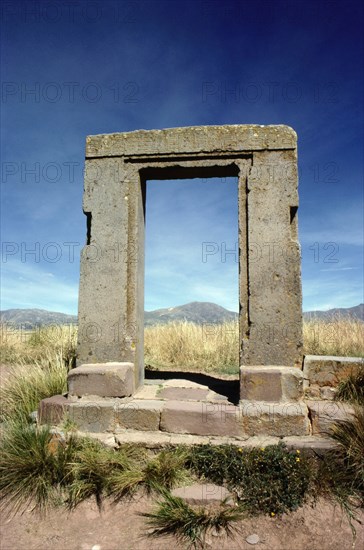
309 445
325 413
184 417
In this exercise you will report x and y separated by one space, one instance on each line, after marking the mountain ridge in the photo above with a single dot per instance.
193 312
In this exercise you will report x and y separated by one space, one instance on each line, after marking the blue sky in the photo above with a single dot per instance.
71 69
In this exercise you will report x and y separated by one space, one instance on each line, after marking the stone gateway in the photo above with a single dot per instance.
106 390
111 299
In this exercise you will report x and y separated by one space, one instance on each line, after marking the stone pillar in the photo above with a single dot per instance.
272 343
274 334
112 266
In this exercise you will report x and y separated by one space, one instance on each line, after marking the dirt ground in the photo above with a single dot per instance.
119 527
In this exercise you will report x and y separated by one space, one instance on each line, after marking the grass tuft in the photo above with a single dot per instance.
352 389
32 469
349 434
173 516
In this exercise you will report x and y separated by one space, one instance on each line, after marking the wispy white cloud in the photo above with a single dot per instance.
26 285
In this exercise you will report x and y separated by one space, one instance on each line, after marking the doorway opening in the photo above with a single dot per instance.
191 282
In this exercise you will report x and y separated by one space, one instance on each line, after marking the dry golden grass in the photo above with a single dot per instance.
186 346
212 348
26 346
36 366
182 346
341 337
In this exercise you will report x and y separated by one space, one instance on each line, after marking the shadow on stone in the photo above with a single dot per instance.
229 388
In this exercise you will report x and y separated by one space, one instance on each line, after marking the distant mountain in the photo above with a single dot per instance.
356 312
32 318
195 312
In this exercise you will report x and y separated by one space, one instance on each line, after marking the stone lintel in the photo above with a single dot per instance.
235 138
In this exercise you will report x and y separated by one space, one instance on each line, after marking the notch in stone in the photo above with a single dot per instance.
88 225
292 213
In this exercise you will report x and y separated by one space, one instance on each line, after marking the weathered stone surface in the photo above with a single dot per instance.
203 494
213 396
271 383
53 410
200 139
325 413
183 394
93 416
310 445
147 392
329 370
103 380
253 539
111 298
327 392
139 414
247 442
272 333
158 440
275 419
108 440
200 418
182 383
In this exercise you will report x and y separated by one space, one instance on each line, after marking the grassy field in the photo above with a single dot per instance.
181 346
216 348
34 471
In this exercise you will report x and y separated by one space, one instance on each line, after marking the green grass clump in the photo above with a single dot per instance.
157 473
349 434
27 385
173 516
93 470
32 469
269 480
39 468
352 389
167 469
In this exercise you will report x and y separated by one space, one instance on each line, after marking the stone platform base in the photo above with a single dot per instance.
309 445
177 407
275 402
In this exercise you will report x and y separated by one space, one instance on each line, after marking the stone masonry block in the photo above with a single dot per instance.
139 414
185 417
325 413
271 383
53 410
329 370
93 416
274 419
102 379
310 445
